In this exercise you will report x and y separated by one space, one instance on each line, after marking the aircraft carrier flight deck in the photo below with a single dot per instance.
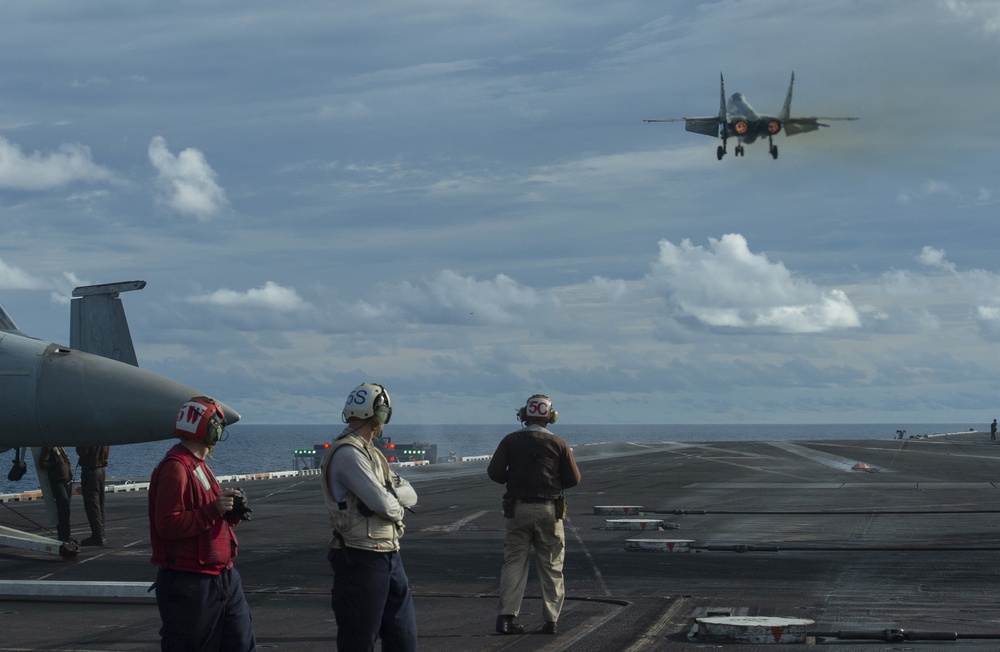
860 545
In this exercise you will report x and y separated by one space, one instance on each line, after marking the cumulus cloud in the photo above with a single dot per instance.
269 296
14 278
935 258
37 171
727 285
612 289
187 181
452 298
978 287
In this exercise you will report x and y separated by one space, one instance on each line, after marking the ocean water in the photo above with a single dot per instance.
256 448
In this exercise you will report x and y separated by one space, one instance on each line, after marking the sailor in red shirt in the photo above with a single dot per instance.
198 591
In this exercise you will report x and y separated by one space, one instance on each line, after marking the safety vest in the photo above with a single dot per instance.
210 551
351 528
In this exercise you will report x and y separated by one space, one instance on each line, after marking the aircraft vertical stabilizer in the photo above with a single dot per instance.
98 324
786 109
722 100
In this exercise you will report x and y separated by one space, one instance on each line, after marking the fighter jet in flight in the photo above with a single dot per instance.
737 119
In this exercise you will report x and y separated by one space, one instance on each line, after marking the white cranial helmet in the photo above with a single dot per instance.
538 406
366 401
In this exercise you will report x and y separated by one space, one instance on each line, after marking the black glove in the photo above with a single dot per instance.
240 506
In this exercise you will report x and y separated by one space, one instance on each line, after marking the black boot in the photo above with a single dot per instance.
507 625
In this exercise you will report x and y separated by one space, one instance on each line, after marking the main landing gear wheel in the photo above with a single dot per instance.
774 151
720 152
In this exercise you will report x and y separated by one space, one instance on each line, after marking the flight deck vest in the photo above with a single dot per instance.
351 528
210 551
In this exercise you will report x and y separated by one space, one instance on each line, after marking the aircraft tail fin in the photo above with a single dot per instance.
786 109
722 100
98 324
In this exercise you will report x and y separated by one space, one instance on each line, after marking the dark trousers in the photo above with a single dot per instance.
61 491
372 599
203 613
92 488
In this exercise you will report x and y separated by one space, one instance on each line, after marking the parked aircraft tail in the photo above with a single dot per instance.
97 321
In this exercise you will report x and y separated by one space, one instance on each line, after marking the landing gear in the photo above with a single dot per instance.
720 152
739 151
19 468
772 148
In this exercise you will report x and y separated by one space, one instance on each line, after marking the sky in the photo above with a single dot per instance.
460 200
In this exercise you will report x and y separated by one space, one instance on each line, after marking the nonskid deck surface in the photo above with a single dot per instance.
894 538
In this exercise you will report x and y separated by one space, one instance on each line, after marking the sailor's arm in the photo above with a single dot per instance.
355 473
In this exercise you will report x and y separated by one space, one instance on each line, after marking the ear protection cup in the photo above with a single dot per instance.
383 411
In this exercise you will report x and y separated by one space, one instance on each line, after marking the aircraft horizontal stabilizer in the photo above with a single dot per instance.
704 126
707 126
794 126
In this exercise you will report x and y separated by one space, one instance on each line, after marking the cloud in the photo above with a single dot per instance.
71 164
187 180
451 298
350 109
728 286
270 296
985 14
935 258
13 278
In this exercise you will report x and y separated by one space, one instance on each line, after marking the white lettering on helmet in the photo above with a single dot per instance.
189 416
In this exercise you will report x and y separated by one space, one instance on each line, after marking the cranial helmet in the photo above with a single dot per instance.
366 401
200 419
538 406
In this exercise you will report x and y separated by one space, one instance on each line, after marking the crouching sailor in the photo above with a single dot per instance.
371 593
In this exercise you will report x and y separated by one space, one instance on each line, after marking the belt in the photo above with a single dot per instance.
535 500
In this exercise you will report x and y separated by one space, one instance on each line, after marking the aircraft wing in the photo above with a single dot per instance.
794 126
708 126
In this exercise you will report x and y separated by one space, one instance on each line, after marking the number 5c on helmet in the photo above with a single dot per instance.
539 406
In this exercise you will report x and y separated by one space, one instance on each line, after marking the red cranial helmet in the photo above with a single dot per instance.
200 419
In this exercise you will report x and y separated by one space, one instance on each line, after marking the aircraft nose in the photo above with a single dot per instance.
232 416
92 400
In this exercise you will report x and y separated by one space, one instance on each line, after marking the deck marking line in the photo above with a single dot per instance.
590 558
648 637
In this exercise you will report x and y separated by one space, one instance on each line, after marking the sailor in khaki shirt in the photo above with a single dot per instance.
536 465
